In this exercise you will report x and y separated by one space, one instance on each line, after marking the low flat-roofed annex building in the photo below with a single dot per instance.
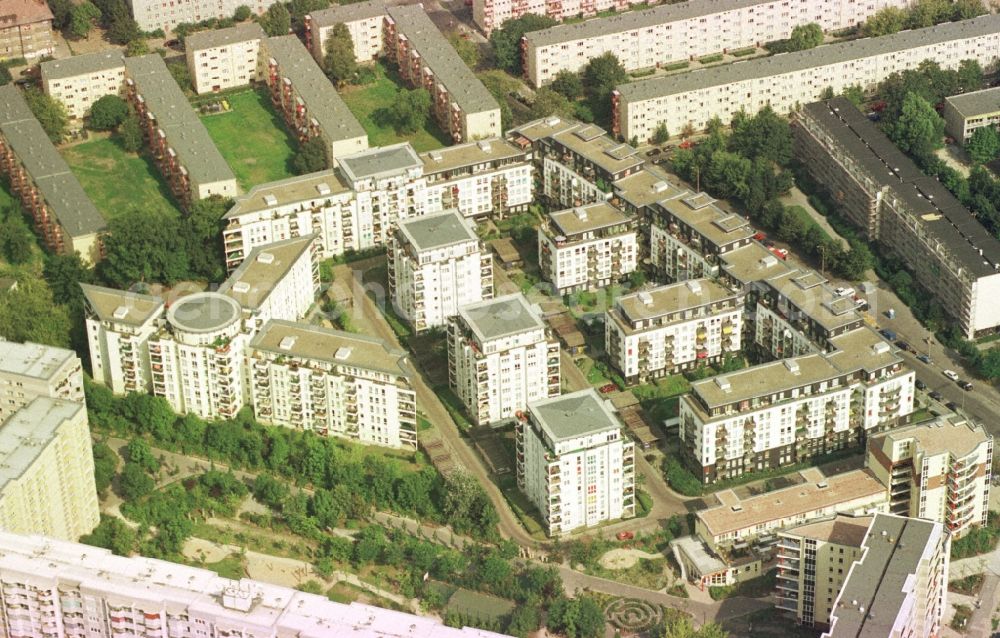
436 265
675 327
32 370
575 462
501 356
965 113
222 59
332 383
79 81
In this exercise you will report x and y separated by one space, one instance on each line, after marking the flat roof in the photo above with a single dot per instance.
976 103
753 262
61 190
862 349
701 213
573 415
789 502
635 20
381 161
263 269
765 379
697 553
121 306
291 190
499 317
937 210
349 12
813 296
204 312
878 584
771 66
438 54
32 360
243 32
647 186
83 64
841 529
176 117
437 230
950 434
587 140
669 298
322 101
469 154
27 432
332 346
583 219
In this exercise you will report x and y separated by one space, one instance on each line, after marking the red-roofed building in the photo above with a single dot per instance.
25 29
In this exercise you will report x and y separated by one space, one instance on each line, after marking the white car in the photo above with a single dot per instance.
951 374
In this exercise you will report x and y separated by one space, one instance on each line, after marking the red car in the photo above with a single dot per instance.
607 387
625 536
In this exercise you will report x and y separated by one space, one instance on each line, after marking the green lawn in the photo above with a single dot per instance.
253 139
117 181
365 101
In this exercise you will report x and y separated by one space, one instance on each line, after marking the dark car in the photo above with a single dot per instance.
920 384
951 405
888 334
965 385
923 357
652 152
902 345
935 395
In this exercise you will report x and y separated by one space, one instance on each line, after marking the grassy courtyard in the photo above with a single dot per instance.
253 139
365 101
117 181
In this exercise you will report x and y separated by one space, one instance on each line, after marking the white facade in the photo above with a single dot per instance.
119 325
684 31
501 357
491 14
68 589
587 247
436 265
575 462
225 58
32 370
671 328
152 14
79 81
277 281
785 81
332 383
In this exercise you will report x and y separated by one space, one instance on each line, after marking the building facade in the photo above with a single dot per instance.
671 328
574 462
965 113
587 247
911 215
333 383
436 265
79 81
491 14
223 59
71 589
25 29
501 356
152 15
785 81
938 471
31 370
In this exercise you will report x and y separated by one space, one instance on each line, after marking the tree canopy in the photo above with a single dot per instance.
339 61
130 134
984 145
600 77
242 13
311 156
82 18
49 112
803 36
28 313
885 22
506 41
107 113
919 129
143 246
568 83
408 114
276 20
548 102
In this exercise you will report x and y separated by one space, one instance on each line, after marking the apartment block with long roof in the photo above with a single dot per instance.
501 356
221 59
785 81
332 383
153 14
32 370
39 177
587 247
79 81
491 14
25 29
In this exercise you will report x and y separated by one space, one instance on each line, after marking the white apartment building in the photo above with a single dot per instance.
353 206
786 411
575 462
939 470
152 15
119 325
501 357
47 470
587 247
436 265
683 31
491 14
332 383
79 81
223 59
671 328
31 370
69 589
786 81
899 586
365 21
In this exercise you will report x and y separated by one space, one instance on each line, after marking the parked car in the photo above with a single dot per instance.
652 152
888 334
951 374
607 387
902 345
844 292
965 385
935 395
951 405
920 384
924 358
780 253
625 536
759 236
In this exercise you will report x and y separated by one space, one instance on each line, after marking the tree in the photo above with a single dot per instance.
107 113
242 13
28 313
968 9
61 10
122 29
136 47
969 76
16 239
984 145
681 627
576 618
885 22
130 134
600 77
81 19
114 534
501 86
466 49
660 133
143 246
276 20
765 135
855 94
49 112
805 36
568 83
548 102
138 451
339 61
927 13
311 157
105 464
202 233
919 129
134 482
506 41
409 112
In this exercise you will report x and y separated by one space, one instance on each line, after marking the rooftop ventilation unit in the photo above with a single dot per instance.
265 258
343 353
323 188
270 200
241 287
660 187
287 343
694 286
792 365
723 384
581 214
484 146
436 156
880 348
120 312
646 298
